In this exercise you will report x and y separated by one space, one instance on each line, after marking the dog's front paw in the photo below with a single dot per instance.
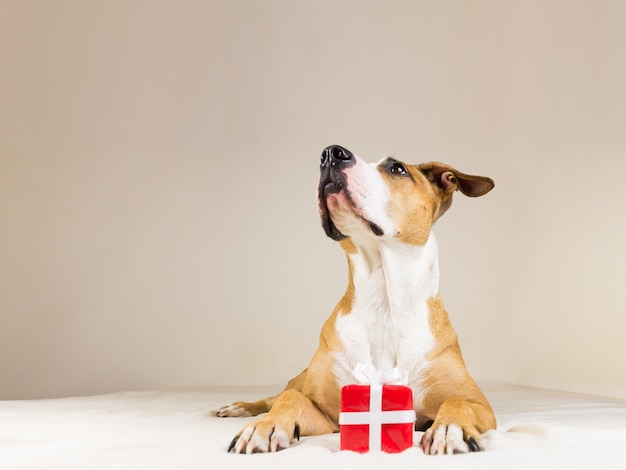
237 408
451 439
264 435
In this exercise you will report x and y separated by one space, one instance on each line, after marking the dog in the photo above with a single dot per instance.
391 314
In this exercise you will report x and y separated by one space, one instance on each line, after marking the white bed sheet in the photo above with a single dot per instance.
175 429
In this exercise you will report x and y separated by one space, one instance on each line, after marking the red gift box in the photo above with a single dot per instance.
376 417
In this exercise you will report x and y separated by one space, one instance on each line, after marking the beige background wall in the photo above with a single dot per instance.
158 163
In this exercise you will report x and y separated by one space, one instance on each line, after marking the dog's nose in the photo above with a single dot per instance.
336 154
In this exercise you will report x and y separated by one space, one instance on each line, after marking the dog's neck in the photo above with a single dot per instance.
393 278
386 307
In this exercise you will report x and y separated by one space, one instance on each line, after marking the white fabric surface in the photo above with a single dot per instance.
175 430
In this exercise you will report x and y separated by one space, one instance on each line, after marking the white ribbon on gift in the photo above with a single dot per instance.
367 374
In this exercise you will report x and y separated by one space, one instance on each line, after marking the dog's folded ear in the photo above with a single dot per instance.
449 180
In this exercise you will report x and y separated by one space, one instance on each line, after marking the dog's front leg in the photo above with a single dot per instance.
292 415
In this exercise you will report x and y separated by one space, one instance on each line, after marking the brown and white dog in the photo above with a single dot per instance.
391 314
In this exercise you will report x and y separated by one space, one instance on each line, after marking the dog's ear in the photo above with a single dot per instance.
448 180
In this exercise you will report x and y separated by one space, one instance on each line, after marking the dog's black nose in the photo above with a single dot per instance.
336 154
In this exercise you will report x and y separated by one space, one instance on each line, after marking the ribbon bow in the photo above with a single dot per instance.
368 374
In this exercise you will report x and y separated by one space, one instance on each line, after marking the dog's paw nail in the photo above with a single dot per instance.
473 445
233 443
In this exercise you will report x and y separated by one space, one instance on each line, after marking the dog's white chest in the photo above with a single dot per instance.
386 339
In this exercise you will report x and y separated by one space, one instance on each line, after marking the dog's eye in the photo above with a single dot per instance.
397 169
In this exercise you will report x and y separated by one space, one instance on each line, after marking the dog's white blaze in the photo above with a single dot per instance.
388 323
369 193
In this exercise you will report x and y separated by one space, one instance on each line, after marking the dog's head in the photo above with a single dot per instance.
389 199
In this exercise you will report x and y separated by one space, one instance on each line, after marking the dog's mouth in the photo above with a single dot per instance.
327 189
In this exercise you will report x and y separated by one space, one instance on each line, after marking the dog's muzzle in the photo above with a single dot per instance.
334 160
